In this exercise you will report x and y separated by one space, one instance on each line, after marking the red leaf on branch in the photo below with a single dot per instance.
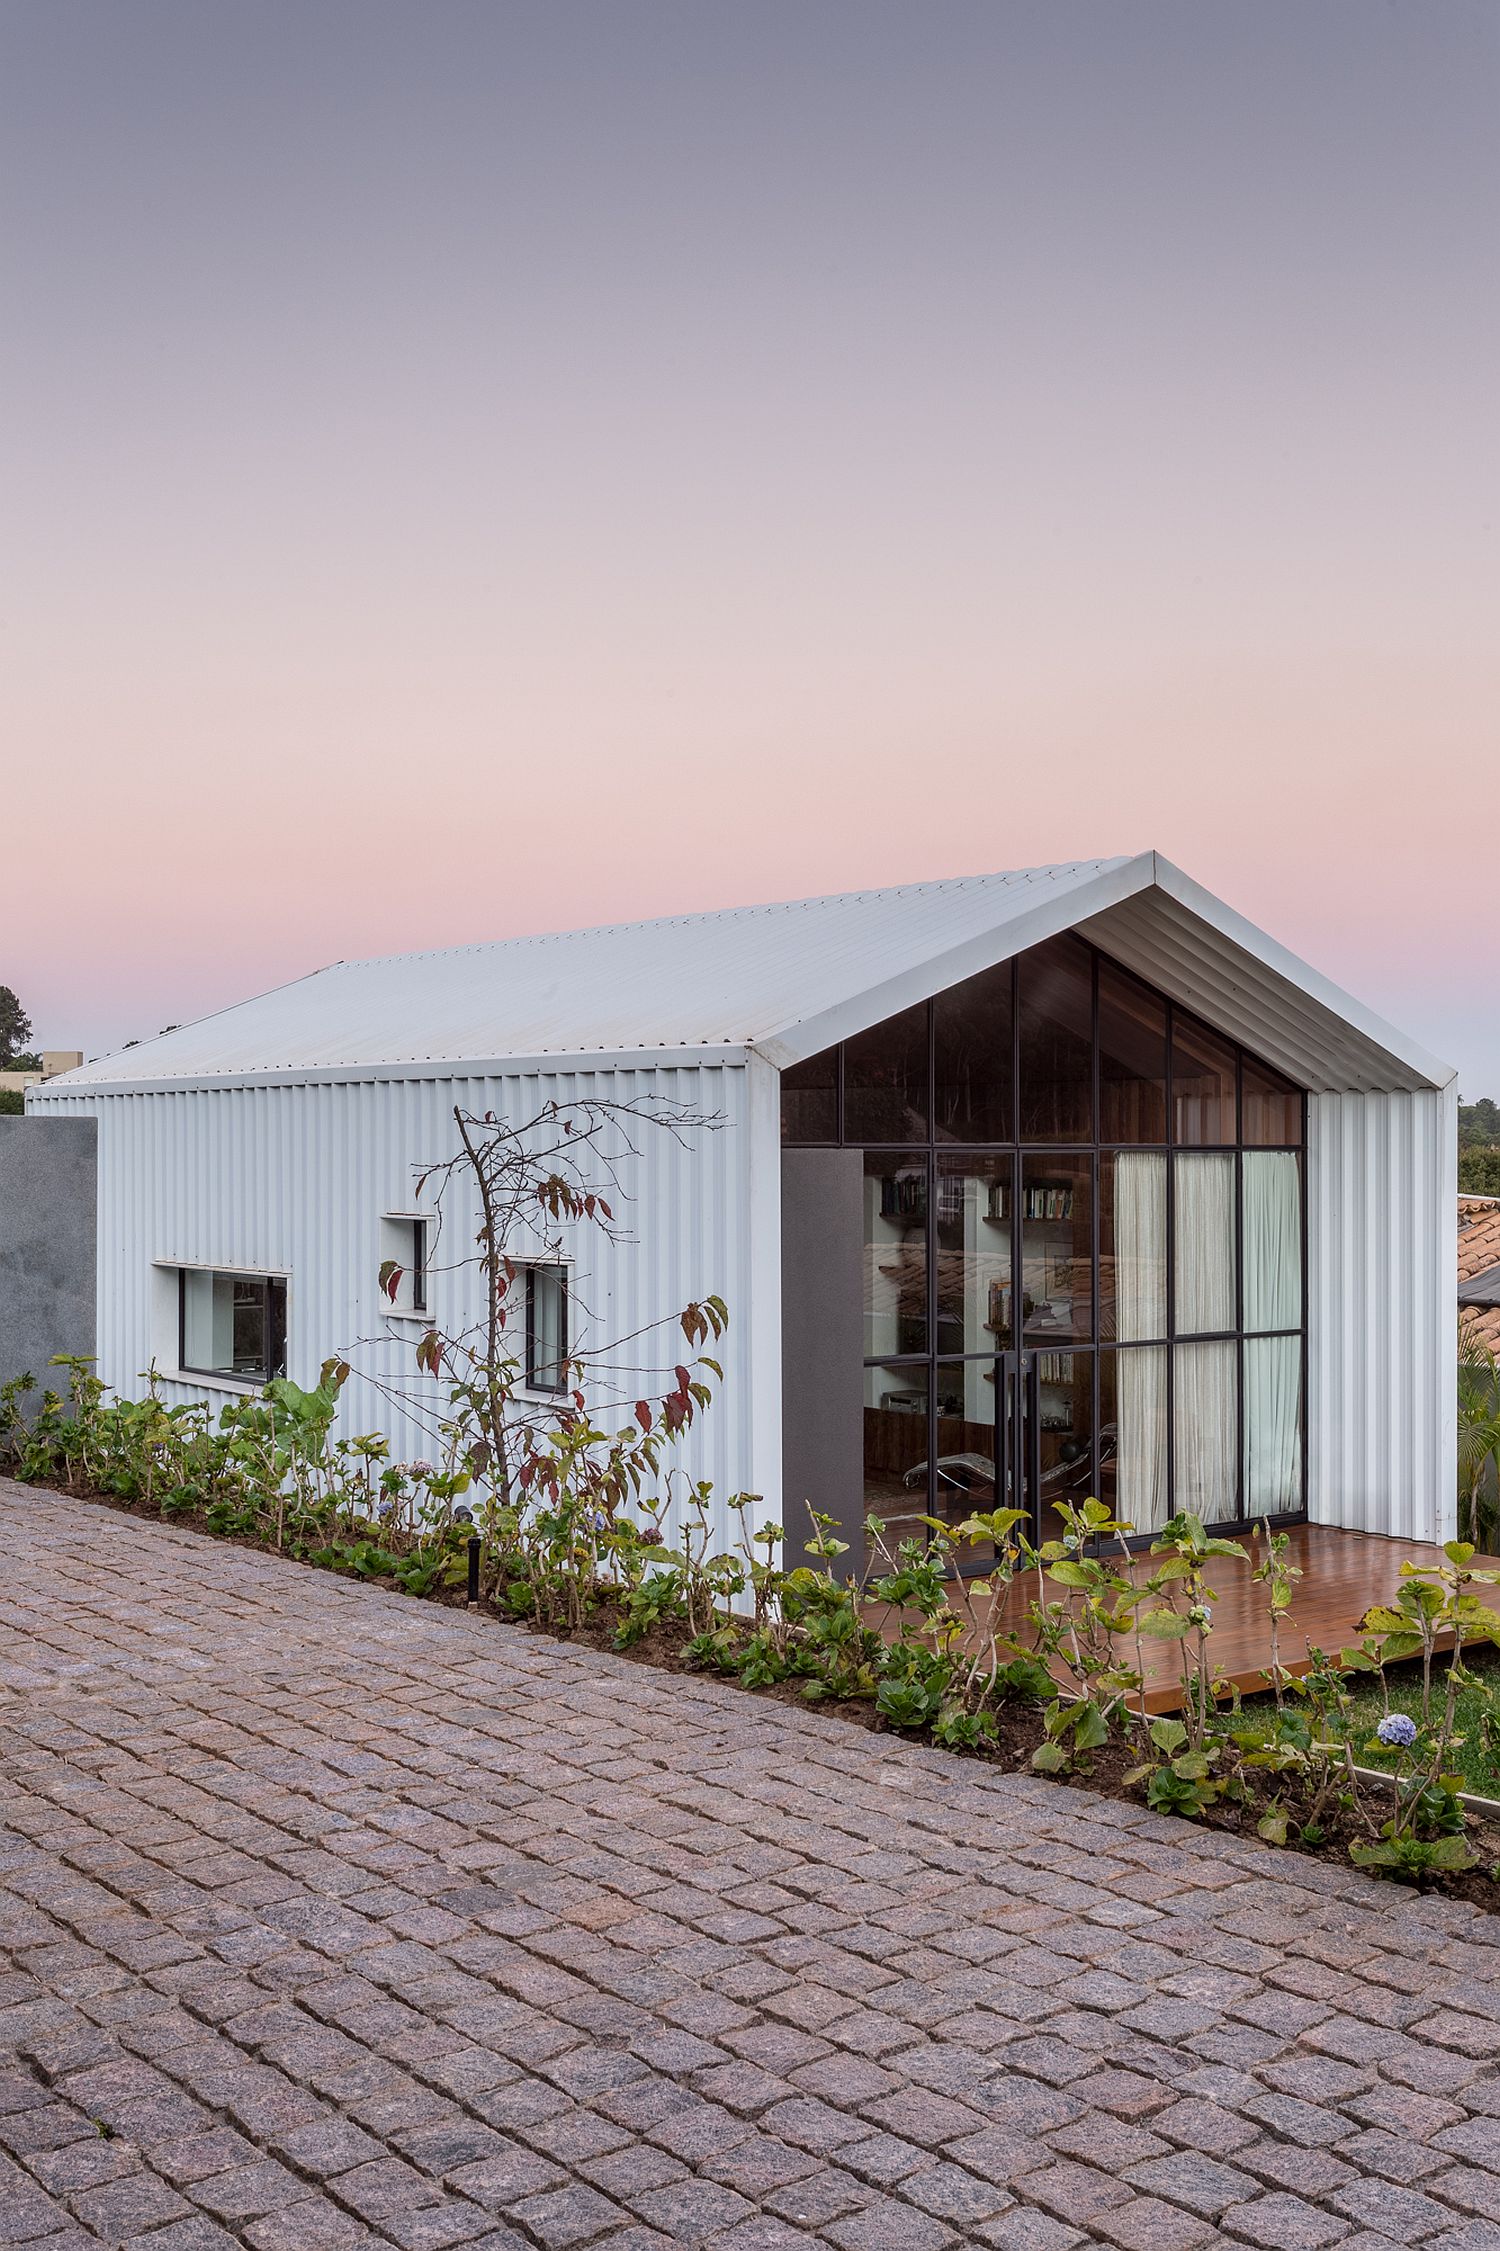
643 1414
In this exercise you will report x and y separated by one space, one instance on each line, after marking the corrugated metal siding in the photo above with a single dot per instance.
296 1179
1382 1276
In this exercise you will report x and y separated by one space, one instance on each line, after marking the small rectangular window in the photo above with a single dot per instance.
231 1325
404 1247
546 1328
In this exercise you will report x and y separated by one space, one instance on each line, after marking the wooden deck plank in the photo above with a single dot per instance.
1344 1573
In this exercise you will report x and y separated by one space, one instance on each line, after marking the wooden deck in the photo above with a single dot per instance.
1343 1574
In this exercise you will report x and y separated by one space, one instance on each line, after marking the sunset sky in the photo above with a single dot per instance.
469 468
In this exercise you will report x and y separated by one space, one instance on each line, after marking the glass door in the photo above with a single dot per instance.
1044 1435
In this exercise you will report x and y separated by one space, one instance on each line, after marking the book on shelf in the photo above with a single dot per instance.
903 1195
1039 1200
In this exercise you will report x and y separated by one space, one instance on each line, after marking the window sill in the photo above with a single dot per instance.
405 1313
245 1387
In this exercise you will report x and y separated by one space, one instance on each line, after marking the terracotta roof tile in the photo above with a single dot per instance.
1478 1235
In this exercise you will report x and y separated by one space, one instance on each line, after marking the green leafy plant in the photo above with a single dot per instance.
1183 1778
1073 1730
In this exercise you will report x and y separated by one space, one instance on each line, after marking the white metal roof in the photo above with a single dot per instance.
785 980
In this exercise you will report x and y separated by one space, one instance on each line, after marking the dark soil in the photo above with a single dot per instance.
1020 1725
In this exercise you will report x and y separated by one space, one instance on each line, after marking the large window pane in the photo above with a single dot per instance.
973 1253
1203 1190
1203 1105
1057 1042
974 1061
1206 1429
896 1447
1132 1059
1057 1249
1273 1425
1273 1239
1064 1394
232 1324
895 1255
810 1098
1272 1108
1133 1245
885 1080
1133 1436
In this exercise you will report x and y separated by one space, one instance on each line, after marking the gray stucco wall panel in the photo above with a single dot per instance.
48 1241
822 1342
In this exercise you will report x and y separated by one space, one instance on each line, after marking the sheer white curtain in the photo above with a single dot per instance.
1204 1199
1273 1239
1205 1418
1141 1439
1140 1218
1273 1424
1140 1244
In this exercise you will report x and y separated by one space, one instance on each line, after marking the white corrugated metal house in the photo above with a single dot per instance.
1029 1185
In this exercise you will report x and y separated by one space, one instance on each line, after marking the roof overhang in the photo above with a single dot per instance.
1150 917
543 1063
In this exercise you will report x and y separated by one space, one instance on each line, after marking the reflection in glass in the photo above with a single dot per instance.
1064 1393
1203 1218
1273 1424
885 1080
1203 1105
965 1462
1273 1239
895 1255
1133 1245
1205 1419
973 1253
974 1061
1132 1059
546 1328
1133 1436
810 1098
895 1487
1272 1108
1057 1042
1057 1249
232 1324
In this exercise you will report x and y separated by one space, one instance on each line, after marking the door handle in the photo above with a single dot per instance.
1033 1442
1005 1483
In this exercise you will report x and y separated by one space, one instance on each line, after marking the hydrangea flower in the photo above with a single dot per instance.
421 1469
1397 1732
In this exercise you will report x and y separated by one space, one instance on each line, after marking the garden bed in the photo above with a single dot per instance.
1020 1732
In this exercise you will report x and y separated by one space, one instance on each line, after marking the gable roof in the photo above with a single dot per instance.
783 980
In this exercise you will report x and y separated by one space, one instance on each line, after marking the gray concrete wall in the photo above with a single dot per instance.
822 1343
48 1232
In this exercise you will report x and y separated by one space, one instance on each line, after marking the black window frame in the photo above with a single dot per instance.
273 1289
534 1383
419 1266
908 1155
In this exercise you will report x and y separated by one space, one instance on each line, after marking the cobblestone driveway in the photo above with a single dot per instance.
334 1919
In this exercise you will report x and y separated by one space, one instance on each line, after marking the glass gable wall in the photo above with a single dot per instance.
1083 1250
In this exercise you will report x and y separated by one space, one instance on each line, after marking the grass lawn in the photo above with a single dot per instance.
1477 1770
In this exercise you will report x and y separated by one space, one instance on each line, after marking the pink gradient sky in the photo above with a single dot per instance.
490 468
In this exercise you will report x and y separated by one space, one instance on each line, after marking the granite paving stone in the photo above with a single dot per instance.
328 1918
